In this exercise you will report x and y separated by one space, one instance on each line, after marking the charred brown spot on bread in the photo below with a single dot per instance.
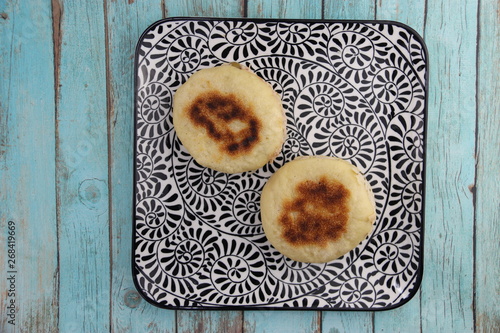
318 213
227 120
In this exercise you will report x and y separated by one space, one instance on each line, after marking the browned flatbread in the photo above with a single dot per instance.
316 209
229 119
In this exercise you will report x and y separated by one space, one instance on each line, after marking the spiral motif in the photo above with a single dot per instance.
411 197
328 105
357 292
156 219
295 272
326 100
418 57
294 146
283 83
413 145
405 133
181 260
184 55
351 49
235 41
153 212
155 102
392 86
393 251
144 166
293 33
205 181
233 276
354 143
240 34
246 207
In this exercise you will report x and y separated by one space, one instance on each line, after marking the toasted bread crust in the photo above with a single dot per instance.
229 119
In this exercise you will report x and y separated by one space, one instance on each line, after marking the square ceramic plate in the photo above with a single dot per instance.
351 89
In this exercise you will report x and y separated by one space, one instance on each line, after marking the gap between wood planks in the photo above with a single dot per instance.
57 39
111 123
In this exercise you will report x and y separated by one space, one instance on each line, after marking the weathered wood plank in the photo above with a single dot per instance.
337 322
82 170
27 169
411 13
125 23
209 321
282 321
296 9
204 8
447 288
405 318
487 187
349 10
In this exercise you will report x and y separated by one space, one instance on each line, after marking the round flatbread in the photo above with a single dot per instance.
229 119
316 209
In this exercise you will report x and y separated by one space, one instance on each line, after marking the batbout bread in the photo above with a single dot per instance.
316 209
229 119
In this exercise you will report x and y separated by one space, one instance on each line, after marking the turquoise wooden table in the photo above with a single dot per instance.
66 150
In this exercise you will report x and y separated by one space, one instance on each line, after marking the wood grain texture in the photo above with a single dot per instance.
204 8
339 322
349 10
411 13
125 22
282 321
82 170
447 288
298 9
209 321
409 315
27 168
487 186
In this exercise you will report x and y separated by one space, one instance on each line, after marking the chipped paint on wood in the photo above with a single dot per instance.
82 175
487 182
29 281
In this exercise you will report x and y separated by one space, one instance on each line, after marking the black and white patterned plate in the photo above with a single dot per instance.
351 89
